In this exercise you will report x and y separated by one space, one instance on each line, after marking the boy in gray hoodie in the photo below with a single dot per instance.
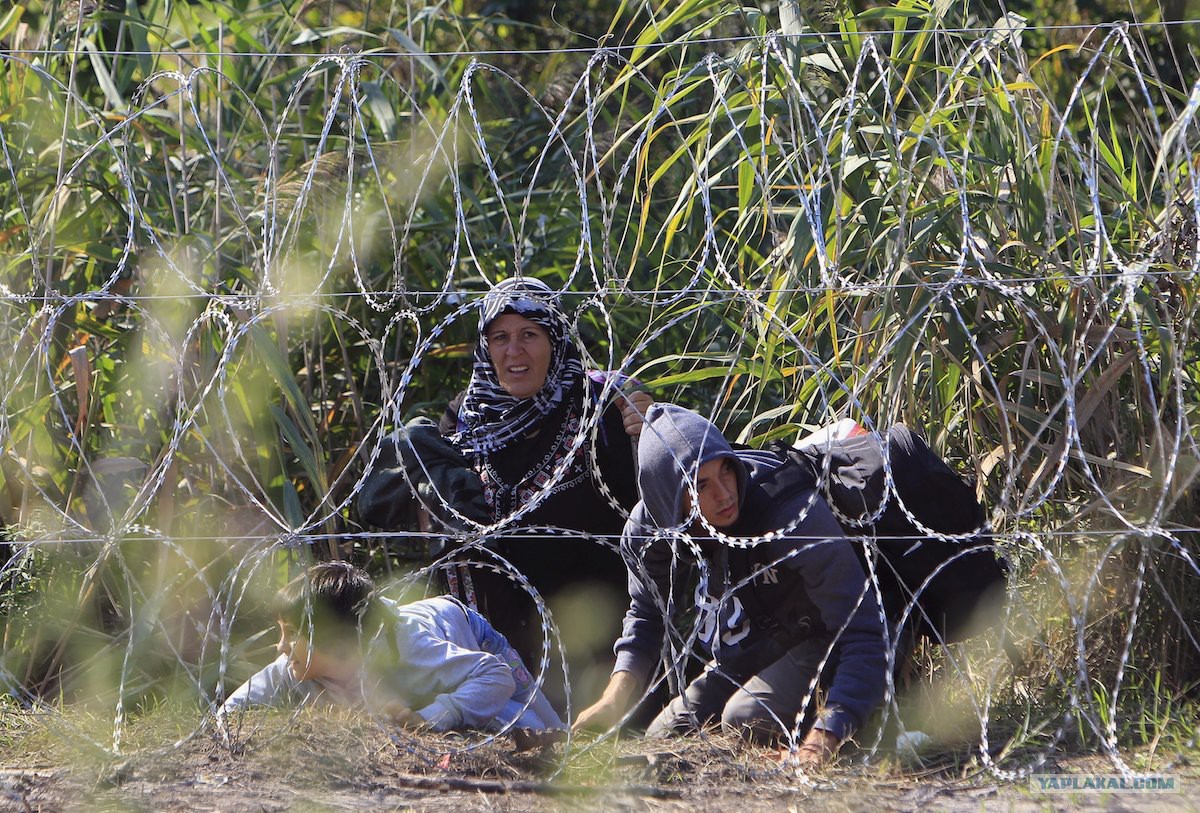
434 664
774 615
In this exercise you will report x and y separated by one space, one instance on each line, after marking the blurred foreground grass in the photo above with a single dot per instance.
315 760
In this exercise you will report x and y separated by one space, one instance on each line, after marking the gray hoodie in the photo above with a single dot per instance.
807 582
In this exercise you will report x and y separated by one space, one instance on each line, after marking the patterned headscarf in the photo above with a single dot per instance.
490 419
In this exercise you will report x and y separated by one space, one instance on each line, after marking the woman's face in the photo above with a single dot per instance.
520 351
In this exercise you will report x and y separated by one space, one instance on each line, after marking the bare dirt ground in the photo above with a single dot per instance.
319 762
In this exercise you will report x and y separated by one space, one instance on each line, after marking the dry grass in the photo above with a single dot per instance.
312 760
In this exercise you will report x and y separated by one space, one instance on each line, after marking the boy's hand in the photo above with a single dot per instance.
633 411
599 716
612 705
401 715
818 748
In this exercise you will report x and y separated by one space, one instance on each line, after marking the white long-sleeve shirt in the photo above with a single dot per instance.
448 664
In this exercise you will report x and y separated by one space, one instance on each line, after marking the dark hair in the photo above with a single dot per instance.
328 600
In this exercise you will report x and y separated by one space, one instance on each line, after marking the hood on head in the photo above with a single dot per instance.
675 442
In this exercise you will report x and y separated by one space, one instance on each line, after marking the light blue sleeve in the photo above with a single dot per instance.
471 687
541 715
273 685
530 718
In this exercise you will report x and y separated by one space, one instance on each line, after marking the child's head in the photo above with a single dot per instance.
321 613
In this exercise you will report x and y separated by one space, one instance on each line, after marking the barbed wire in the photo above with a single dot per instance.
434 536
486 53
712 294
178 445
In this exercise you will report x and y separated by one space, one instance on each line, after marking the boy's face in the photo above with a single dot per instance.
717 488
310 663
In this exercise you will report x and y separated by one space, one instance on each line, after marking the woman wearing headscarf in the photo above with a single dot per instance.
528 401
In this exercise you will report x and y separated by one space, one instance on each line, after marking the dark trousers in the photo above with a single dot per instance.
768 693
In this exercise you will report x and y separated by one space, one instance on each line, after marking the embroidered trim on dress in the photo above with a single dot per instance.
499 494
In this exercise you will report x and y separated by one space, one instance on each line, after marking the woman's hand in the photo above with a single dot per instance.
633 411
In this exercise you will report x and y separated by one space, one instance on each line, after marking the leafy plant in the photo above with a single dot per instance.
243 238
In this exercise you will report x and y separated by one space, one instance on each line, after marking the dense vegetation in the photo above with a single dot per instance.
239 239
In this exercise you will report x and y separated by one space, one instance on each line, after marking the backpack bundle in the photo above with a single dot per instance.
945 581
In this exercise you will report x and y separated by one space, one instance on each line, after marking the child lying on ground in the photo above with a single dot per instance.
434 664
